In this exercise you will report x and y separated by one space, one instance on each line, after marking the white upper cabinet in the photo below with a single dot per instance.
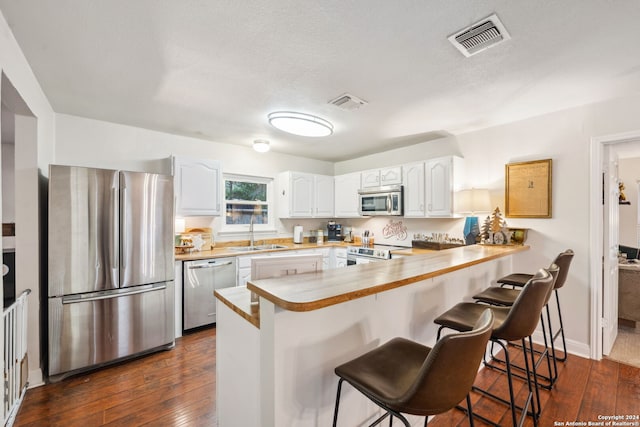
346 195
305 195
443 176
370 178
391 176
301 195
197 186
324 196
414 190
380 177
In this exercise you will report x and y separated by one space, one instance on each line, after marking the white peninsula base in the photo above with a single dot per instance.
282 372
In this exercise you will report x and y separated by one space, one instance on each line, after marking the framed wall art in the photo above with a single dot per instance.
528 189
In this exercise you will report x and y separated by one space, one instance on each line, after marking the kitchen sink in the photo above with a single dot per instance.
255 248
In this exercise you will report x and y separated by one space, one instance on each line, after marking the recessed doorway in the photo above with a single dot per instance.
609 337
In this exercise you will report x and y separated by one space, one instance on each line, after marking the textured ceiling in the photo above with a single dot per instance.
215 69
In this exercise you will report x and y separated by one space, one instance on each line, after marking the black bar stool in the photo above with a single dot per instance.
402 376
563 261
506 297
515 323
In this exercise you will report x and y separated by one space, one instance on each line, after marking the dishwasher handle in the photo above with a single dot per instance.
209 265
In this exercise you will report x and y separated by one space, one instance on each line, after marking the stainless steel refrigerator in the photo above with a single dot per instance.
111 255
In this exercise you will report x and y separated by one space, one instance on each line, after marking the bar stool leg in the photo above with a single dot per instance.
335 412
553 371
469 412
561 331
553 346
534 391
389 414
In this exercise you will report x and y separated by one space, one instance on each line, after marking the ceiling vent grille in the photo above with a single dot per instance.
348 102
480 36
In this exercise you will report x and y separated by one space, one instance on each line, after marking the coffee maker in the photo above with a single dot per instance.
334 232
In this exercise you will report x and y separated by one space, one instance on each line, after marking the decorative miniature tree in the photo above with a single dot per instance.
486 228
497 221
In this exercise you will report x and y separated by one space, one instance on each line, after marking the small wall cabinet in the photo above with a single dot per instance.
305 195
381 177
414 190
429 187
346 195
197 186
443 176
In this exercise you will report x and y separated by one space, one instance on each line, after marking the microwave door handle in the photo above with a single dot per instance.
388 203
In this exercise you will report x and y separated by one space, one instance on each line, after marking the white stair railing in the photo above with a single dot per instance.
15 356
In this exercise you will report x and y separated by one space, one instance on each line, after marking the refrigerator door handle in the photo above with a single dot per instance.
193 267
114 231
123 228
97 296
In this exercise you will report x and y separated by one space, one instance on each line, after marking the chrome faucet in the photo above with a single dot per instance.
251 232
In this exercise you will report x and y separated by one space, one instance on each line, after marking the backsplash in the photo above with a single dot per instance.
396 231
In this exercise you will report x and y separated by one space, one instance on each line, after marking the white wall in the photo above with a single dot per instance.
564 137
93 143
8 183
22 94
629 173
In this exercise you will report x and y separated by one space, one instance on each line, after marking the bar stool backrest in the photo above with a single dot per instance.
563 261
525 312
554 270
448 372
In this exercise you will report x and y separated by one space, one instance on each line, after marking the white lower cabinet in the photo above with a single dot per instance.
243 266
331 258
340 257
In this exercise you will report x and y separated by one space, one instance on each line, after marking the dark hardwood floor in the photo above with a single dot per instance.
177 388
170 388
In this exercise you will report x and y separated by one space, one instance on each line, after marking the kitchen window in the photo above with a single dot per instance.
246 197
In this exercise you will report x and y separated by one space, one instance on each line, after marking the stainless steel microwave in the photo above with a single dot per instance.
386 200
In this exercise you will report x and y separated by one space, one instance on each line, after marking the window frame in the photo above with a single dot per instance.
270 203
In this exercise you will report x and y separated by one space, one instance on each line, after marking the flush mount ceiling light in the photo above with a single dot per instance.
300 124
261 145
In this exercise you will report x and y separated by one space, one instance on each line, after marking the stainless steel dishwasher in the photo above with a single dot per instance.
201 278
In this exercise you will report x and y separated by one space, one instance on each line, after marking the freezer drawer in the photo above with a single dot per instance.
201 278
100 327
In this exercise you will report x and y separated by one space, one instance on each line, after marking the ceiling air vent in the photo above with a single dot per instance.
348 102
480 36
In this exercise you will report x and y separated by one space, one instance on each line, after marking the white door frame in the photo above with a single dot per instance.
596 232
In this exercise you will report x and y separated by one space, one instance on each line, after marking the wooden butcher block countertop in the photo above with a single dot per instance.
312 291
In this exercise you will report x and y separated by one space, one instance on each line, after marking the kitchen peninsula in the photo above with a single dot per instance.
275 361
